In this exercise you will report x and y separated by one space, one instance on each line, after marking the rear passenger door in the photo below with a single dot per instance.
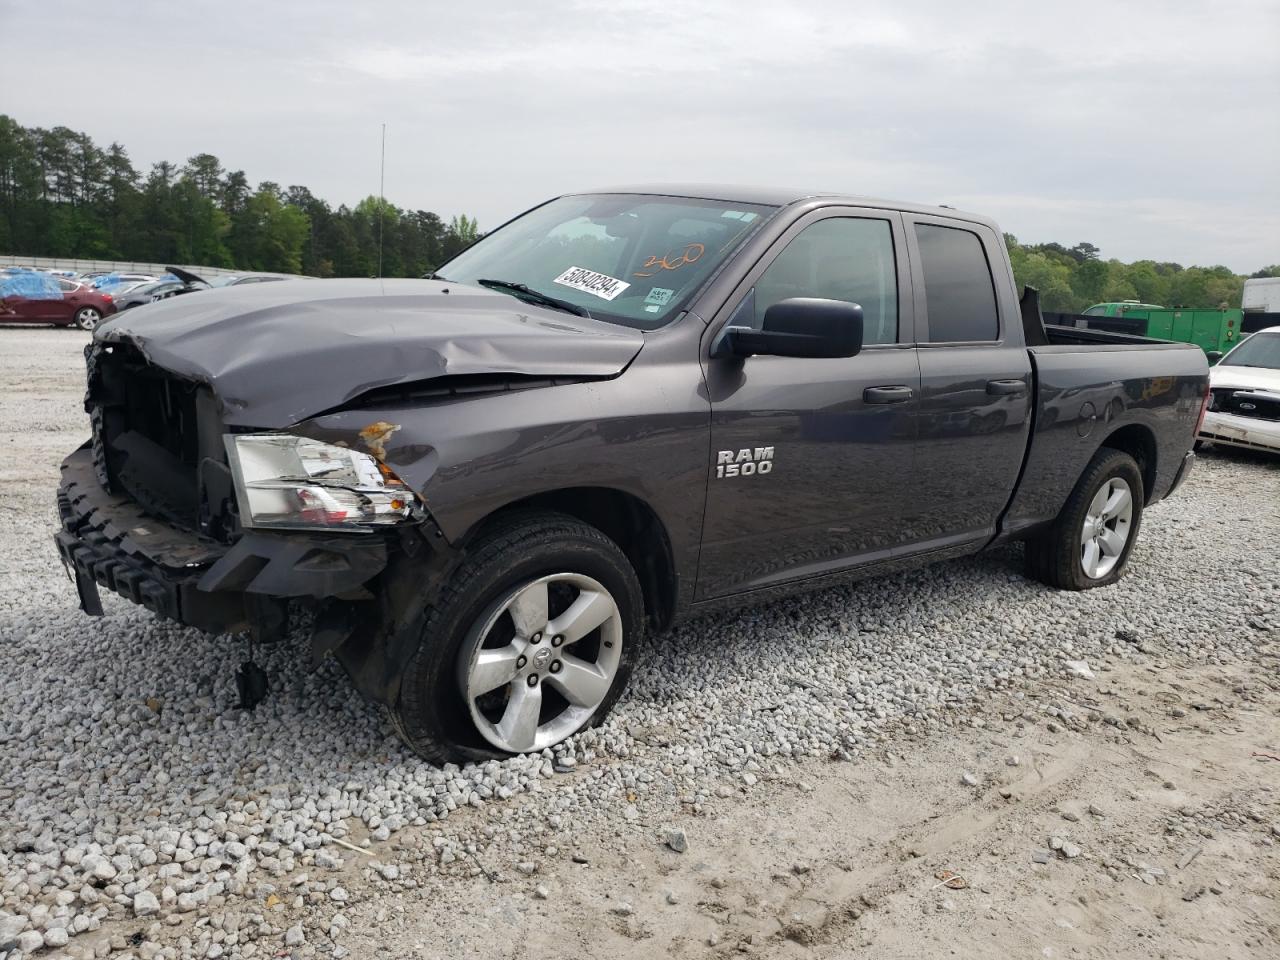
975 382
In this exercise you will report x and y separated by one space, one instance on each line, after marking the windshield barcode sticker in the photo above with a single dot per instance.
598 284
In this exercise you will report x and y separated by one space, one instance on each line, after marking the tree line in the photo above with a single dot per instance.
63 196
1072 279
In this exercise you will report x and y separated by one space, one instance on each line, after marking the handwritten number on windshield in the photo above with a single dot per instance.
691 253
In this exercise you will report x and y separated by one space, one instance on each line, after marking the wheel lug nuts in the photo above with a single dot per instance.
557 640
533 679
555 666
536 638
520 662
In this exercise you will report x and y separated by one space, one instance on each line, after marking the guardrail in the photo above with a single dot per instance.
121 266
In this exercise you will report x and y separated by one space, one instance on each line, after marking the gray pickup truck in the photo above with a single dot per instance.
619 409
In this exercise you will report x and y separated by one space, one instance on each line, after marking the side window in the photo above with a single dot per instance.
843 258
959 293
66 285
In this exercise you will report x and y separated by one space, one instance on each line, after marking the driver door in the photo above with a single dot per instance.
812 464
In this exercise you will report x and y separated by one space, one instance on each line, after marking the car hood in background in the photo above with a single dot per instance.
186 276
278 353
1244 378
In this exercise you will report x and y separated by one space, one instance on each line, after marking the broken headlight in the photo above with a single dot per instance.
293 482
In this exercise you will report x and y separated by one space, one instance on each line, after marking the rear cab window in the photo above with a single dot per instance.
959 293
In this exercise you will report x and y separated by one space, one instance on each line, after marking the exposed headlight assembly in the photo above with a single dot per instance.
288 482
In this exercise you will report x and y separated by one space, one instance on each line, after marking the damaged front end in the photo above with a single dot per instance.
223 529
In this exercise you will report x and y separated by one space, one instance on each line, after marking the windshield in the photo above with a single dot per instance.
628 259
1260 350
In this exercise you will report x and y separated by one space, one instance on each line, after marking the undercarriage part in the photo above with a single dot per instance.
251 683
335 622
268 618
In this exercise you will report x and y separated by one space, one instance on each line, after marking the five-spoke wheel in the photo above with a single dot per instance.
1105 531
1089 543
540 663
527 644
87 318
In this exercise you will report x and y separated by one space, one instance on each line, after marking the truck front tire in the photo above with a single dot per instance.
528 643
1089 544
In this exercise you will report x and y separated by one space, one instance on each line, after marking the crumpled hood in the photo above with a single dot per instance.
278 353
1245 378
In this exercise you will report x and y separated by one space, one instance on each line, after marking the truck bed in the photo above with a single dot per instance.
1061 335
1091 385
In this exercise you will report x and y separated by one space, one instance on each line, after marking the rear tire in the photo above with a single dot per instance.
448 712
88 318
1089 543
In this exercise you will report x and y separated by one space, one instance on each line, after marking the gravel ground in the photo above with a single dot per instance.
134 797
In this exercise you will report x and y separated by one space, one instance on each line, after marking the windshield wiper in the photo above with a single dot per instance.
537 296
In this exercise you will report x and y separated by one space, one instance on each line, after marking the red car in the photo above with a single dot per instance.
31 297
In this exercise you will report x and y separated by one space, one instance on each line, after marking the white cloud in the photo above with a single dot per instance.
1145 126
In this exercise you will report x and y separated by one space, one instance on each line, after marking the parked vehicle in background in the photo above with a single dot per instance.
31 297
148 293
1118 308
104 280
1261 295
121 287
175 283
1213 331
617 410
1244 402
235 281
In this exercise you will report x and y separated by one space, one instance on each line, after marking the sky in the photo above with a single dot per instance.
1149 128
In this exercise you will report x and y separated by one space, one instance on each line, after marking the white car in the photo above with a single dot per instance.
1244 401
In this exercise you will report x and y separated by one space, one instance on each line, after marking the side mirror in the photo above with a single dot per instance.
1215 355
798 327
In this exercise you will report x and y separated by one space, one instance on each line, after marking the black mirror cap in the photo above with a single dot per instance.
1214 355
799 327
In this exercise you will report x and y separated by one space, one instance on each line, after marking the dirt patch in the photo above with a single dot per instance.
1121 817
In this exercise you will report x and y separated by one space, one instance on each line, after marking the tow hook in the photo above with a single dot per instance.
268 623
251 683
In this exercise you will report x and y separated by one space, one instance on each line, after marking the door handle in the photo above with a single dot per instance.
898 393
1006 388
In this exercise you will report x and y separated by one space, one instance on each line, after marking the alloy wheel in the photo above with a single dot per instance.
539 663
1106 528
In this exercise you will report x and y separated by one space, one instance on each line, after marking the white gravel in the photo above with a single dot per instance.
132 790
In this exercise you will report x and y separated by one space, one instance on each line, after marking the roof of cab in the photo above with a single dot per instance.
783 196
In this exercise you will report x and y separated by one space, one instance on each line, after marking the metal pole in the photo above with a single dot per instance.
382 200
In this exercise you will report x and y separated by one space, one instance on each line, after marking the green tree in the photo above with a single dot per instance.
60 194
205 171
269 234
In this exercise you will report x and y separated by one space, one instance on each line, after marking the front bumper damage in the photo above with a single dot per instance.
367 590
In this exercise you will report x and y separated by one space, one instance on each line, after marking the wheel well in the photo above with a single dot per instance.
630 523
1140 443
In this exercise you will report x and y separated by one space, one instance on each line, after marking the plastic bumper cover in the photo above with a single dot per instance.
1251 432
1184 471
106 540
